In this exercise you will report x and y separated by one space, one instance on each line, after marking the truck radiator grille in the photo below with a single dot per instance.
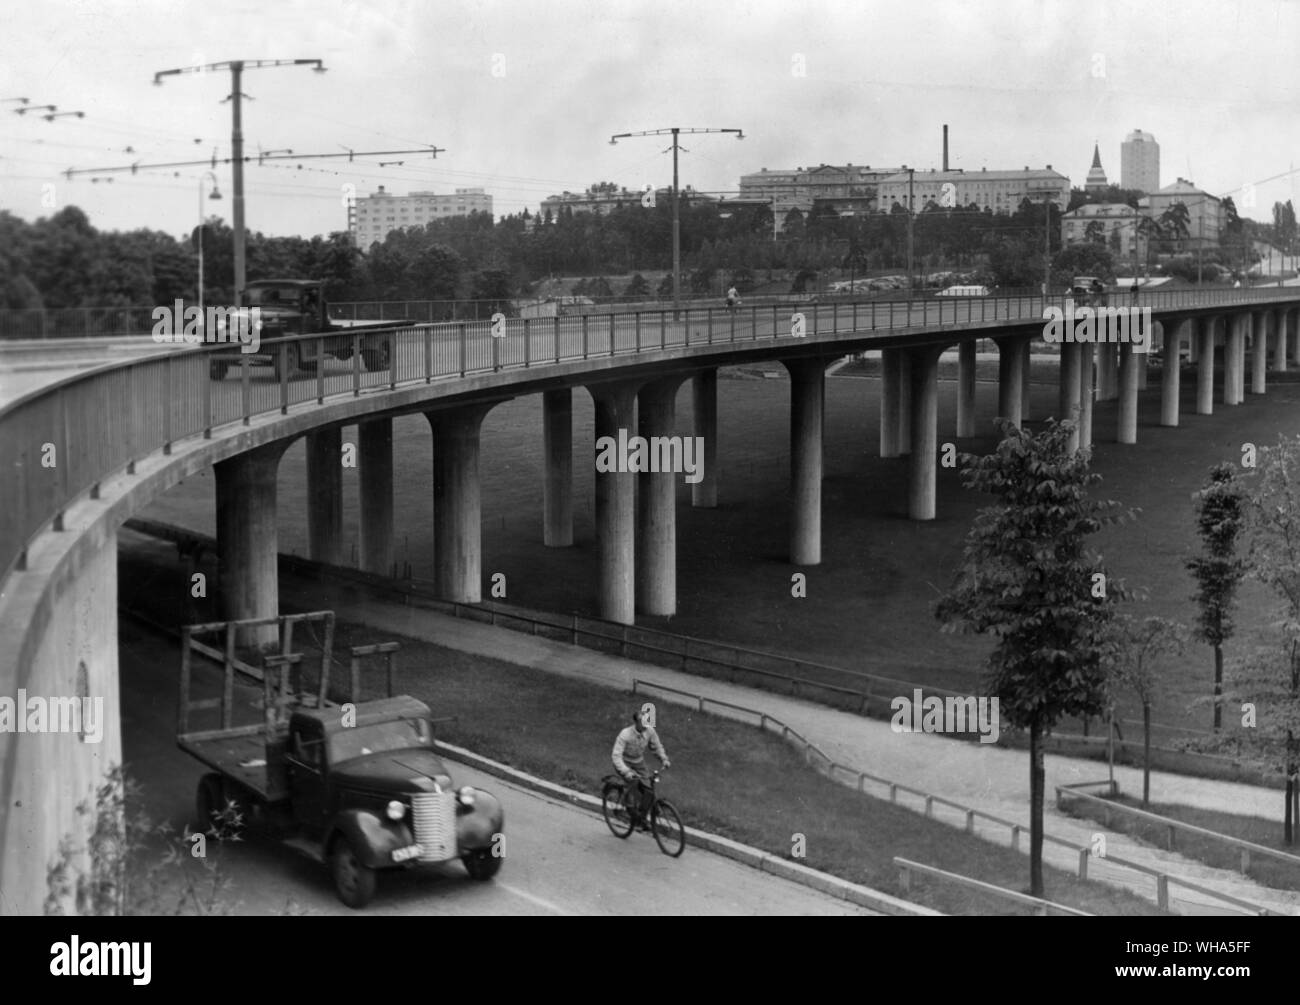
433 815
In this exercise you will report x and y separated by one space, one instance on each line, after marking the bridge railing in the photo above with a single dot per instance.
61 441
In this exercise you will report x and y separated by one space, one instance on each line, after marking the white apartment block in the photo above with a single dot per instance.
999 191
371 218
604 197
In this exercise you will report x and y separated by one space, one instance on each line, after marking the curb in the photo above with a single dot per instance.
756 858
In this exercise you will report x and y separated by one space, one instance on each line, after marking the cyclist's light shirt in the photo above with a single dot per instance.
630 747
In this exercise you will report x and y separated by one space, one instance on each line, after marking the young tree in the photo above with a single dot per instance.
1272 537
1141 645
1028 579
1218 570
637 287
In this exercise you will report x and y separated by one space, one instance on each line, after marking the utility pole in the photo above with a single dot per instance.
911 217
236 68
677 231
1047 242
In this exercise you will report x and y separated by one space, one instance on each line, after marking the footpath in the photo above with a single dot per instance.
980 776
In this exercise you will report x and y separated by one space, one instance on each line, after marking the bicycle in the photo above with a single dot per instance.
665 821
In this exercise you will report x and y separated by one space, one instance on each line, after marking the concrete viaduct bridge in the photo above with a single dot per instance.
82 455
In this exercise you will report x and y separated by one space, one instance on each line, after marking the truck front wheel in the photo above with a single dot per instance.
353 880
481 864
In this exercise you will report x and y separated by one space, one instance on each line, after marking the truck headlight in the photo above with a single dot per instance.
396 810
466 795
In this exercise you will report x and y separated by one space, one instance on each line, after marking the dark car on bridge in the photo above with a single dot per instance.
298 307
1088 291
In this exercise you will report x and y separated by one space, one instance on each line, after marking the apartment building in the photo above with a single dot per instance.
371 218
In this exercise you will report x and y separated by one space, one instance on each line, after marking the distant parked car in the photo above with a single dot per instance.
1088 291
964 291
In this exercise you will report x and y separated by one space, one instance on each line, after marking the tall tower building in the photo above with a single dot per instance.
1139 162
1096 176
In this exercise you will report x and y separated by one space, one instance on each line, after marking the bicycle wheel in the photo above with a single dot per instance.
613 806
667 827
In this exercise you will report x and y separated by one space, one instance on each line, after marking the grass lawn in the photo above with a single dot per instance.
869 603
1264 870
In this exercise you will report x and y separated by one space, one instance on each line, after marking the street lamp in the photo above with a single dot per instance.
216 194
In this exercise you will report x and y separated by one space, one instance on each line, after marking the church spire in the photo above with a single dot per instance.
1096 176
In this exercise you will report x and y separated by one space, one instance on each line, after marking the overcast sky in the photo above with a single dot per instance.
524 96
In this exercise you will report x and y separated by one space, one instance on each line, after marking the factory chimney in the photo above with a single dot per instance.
945 146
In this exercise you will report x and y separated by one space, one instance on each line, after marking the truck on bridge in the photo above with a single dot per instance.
358 786
298 307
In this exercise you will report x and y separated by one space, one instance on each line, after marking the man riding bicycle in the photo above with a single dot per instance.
629 762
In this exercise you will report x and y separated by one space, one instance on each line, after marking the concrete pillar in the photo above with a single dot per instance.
325 496
1259 352
1087 391
1234 358
1107 385
904 403
1011 364
1205 365
922 473
704 387
375 479
1279 326
966 388
557 485
1128 394
890 394
1026 413
807 387
457 507
1156 332
615 507
656 537
247 541
1293 325
1170 375
1068 391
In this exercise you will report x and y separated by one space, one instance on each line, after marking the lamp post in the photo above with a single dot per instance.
675 131
216 194
237 68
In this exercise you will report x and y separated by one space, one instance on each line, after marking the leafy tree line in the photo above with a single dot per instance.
63 261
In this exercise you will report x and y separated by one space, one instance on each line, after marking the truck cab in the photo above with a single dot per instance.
360 787
289 307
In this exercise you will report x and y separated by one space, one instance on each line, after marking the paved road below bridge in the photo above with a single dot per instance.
560 860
